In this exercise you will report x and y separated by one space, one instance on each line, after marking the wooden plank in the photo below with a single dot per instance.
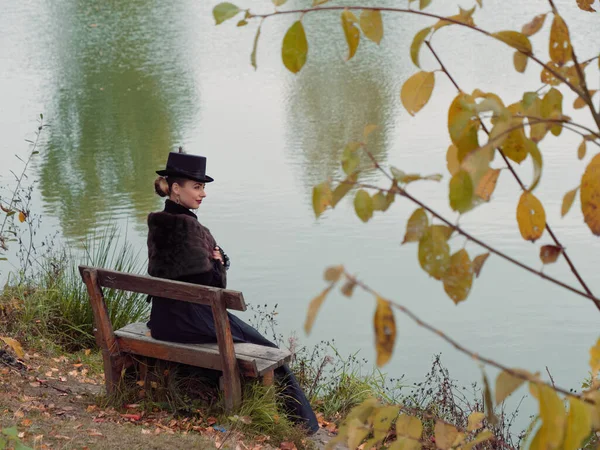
103 331
191 354
161 287
252 350
232 388
268 378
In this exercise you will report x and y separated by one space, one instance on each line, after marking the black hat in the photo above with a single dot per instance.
188 166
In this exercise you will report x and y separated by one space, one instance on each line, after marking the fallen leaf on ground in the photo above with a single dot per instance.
94 432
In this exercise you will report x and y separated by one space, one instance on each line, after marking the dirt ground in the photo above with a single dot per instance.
54 403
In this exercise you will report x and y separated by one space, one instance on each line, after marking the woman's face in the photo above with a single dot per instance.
190 194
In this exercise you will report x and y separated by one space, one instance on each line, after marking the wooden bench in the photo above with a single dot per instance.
119 347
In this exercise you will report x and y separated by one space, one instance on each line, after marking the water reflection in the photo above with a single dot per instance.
122 100
330 102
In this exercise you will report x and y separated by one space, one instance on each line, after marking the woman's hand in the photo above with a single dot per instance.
217 255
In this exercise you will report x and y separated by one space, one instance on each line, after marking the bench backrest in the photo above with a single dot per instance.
160 287
219 300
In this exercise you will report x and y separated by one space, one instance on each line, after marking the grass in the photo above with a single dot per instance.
52 302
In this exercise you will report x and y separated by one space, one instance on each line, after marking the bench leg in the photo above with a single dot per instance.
232 397
268 377
113 368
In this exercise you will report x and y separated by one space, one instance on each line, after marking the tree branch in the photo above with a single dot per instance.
461 348
523 188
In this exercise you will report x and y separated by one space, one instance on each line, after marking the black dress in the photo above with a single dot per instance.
177 321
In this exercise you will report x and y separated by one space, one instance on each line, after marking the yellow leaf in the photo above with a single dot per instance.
586 5
531 217
416 226
550 253
481 437
568 201
424 4
520 61
363 205
514 39
294 49
22 216
461 191
581 150
537 131
488 403
445 435
551 107
385 331
515 145
409 426
333 273
595 358
507 383
579 423
372 25
462 126
351 32
534 26
322 198
15 345
319 2
452 159
560 42
478 263
458 279
278 2
416 91
434 252
382 421
475 421
417 42
589 195
552 414
343 188
477 163
536 157
487 184
313 309
350 157
464 16
357 431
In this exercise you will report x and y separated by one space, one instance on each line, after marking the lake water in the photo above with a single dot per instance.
123 83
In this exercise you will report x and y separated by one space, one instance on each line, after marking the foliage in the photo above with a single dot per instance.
53 303
9 439
480 127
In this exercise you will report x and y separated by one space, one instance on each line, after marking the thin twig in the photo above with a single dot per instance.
458 229
518 179
550 375
556 74
461 348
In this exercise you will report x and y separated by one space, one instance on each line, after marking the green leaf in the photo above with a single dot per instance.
417 42
458 279
416 91
294 49
381 201
416 226
224 11
461 192
462 126
434 253
536 157
515 39
322 198
363 205
343 188
372 25
254 48
351 32
278 2
319 2
350 157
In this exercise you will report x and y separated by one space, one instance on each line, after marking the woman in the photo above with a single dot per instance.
180 248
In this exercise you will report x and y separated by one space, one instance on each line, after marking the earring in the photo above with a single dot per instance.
178 201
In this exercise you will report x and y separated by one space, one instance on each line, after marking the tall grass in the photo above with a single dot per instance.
53 301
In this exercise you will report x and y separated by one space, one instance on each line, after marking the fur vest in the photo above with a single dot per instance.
178 246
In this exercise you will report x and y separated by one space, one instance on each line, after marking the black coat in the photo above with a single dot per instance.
180 248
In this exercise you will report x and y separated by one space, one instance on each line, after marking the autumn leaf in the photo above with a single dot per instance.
520 61
452 162
536 24
595 358
416 226
579 422
487 184
417 43
372 25
313 309
322 198
445 435
568 201
463 128
294 49
531 217
461 191
333 273
363 205
478 263
586 5
434 252
416 91
515 39
507 383
549 253
385 331
560 42
589 195
224 11
458 278
22 216
475 421
15 345
351 32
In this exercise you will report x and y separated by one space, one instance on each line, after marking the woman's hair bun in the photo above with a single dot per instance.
161 186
